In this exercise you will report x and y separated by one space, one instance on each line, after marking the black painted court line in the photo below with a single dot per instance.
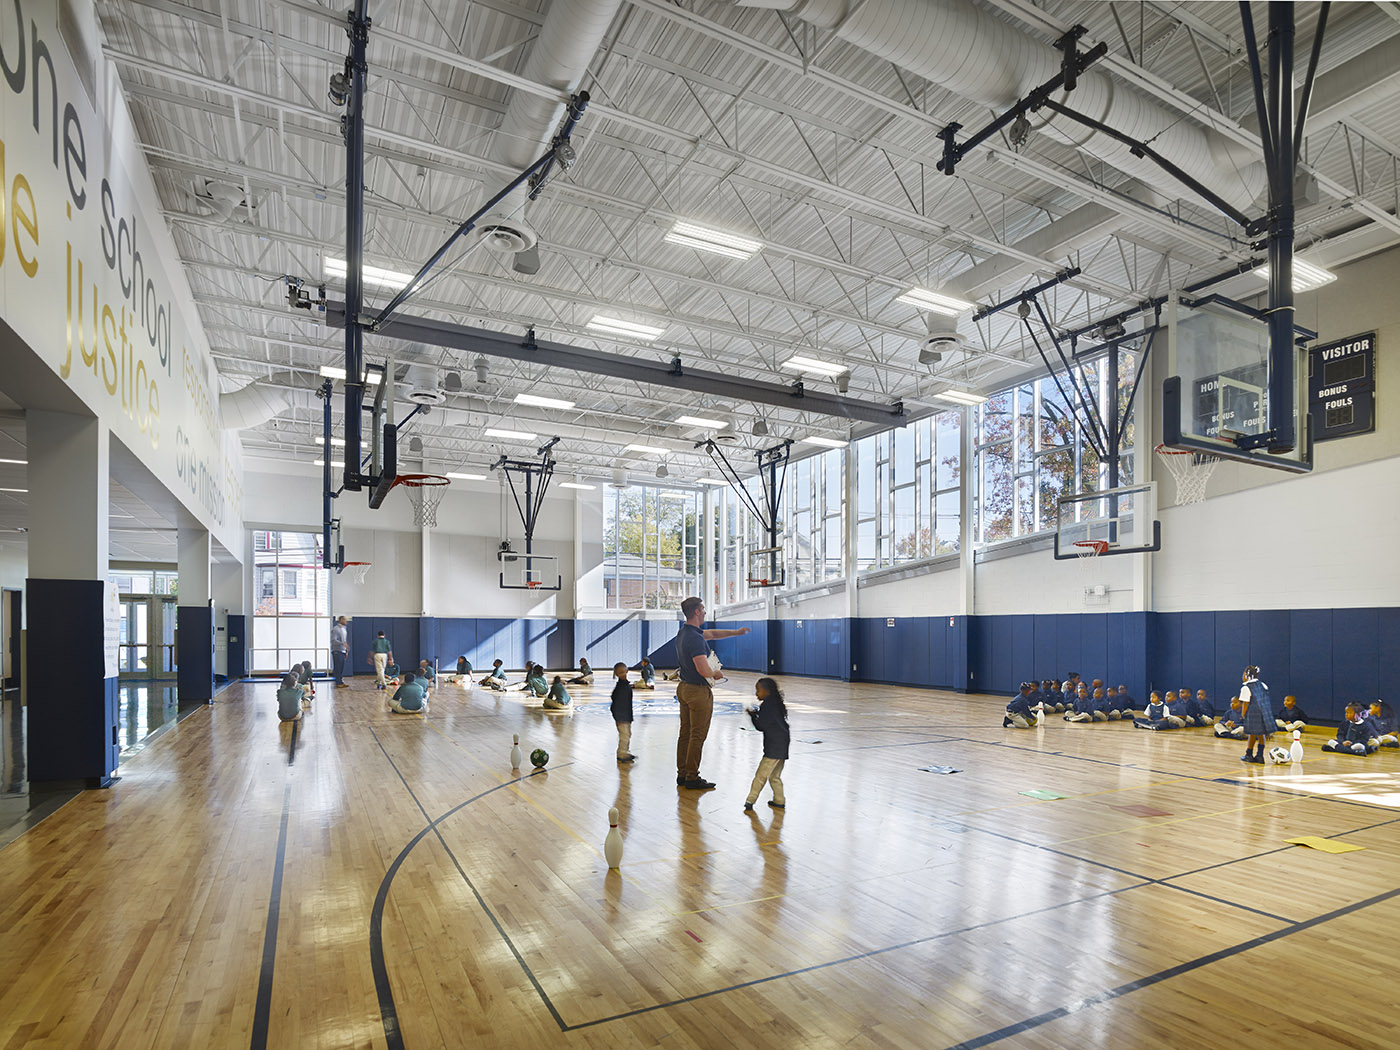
388 1011
262 1010
292 751
844 960
1030 1023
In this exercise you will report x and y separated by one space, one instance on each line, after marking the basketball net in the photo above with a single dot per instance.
360 570
425 492
1089 551
1190 470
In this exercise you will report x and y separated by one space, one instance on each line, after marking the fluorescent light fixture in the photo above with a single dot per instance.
509 435
1306 276
576 485
824 442
650 450
16 462
338 464
701 421
14 490
542 402
960 397
810 365
675 495
710 481
369 274
630 329
335 441
336 372
465 477
705 239
934 302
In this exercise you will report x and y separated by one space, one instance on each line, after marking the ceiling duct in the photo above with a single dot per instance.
978 56
265 399
569 38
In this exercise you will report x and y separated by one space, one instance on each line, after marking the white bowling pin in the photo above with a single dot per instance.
515 755
612 845
1295 753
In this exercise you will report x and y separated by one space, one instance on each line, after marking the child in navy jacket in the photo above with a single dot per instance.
770 719
1019 713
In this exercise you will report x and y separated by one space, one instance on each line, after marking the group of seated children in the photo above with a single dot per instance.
1095 702
1364 729
536 678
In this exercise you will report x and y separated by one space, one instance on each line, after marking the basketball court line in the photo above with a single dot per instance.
262 1010
1140 881
1031 1023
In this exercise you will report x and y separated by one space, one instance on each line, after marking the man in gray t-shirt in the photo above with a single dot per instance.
340 649
694 692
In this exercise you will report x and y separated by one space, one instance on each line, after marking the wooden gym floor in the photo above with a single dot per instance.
370 880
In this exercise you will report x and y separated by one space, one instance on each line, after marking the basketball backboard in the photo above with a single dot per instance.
1116 521
529 572
1218 386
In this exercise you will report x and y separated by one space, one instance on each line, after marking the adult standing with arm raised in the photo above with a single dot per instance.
340 649
695 691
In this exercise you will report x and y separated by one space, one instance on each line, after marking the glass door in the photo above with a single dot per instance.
147 641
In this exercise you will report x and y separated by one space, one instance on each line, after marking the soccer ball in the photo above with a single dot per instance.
539 758
1279 755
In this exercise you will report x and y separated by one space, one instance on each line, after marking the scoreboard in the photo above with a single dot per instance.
1342 387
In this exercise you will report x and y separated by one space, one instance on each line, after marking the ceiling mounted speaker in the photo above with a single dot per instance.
760 427
483 370
662 471
452 382
528 261
619 480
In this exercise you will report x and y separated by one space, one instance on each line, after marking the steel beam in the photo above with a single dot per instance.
619 366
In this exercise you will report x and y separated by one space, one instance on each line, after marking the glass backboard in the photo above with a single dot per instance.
1217 388
1117 521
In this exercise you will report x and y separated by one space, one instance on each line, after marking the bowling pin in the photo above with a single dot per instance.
612 845
1296 751
515 755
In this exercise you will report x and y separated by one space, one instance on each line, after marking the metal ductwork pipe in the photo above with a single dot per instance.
265 399
1068 233
569 38
982 58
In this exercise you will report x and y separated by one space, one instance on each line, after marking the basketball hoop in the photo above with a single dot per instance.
1190 470
425 492
532 584
360 570
1089 551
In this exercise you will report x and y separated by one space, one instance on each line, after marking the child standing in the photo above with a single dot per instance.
770 719
622 712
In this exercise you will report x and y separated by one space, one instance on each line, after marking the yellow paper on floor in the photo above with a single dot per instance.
1326 845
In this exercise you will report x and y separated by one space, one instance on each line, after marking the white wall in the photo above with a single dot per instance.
933 593
1034 582
462 570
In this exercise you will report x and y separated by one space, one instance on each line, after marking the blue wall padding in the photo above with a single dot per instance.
1326 657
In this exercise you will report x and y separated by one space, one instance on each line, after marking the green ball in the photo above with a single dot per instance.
539 757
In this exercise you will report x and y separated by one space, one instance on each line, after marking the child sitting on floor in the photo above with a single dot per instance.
464 671
496 677
1083 709
1196 711
647 675
1230 727
1106 708
1381 717
1292 716
584 676
1019 713
409 698
535 682
1353 735
557 699
289 698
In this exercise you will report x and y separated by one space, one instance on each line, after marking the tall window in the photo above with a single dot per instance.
651 547
907 502
291 622
813 507
1032 449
